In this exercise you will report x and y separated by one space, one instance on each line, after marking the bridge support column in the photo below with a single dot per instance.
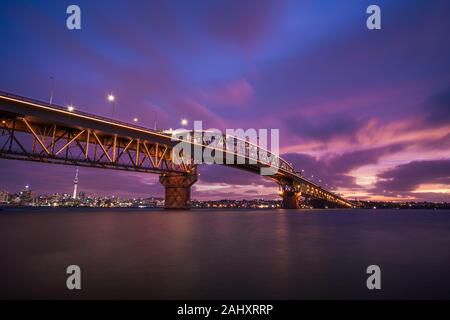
290 200
177 190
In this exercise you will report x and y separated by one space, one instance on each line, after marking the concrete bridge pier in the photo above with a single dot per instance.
177 190
290 199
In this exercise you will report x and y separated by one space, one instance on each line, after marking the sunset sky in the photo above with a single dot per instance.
365 111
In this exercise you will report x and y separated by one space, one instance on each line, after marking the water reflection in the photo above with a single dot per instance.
235 254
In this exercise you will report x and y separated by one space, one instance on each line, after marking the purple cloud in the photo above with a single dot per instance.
407 177
231 176
320 169
324 127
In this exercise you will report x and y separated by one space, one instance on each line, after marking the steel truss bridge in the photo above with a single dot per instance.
33 130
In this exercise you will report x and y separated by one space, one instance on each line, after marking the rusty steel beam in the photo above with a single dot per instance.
19 142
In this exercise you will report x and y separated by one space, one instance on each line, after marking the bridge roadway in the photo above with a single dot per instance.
33 130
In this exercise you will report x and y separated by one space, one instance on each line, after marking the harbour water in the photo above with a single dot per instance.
224 254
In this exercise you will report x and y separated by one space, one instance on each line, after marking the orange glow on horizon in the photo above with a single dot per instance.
433 188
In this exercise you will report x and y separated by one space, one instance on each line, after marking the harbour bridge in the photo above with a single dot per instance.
33 130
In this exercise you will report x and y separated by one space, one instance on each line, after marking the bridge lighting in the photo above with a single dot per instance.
70 108
112 98
135 119
184 122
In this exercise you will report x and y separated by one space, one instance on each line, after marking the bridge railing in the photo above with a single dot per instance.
75 112
249 151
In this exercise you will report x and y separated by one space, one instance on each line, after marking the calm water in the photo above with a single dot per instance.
203 254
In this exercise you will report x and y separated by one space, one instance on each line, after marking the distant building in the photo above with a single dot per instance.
26 196
75 185
4 196
82 196
55 199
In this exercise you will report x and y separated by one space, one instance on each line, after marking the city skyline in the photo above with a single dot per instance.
27 198
365 114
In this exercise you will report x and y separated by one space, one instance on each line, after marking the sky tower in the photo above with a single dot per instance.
75 185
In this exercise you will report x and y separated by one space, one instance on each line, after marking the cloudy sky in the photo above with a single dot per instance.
367 112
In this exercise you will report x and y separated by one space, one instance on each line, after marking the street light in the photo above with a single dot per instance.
184 122
70 108
111 99
52 85
135 119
